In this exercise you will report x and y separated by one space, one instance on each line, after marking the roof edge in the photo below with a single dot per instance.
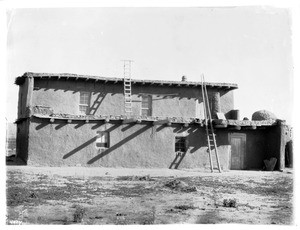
21 79
159 120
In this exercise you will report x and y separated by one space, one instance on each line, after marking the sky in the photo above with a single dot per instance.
250 46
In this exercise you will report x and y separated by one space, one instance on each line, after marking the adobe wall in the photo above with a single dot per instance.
63 97
226 101
278 137
131 145
256 146
22 140
25 96
181 105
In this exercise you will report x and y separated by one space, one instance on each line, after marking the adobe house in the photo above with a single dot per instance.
76 120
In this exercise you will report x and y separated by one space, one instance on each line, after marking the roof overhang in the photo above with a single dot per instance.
218 124
67 76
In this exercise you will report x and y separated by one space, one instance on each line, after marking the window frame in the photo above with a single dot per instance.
149 105
86 105
102 138
182 140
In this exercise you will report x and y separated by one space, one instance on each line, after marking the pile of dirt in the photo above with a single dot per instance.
136 178
184 207
179 185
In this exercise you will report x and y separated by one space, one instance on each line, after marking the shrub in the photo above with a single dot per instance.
231 203
79 213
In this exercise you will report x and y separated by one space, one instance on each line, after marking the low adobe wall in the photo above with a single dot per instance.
22 140
131 145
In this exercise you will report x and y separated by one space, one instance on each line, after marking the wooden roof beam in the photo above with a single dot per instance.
129 120
161 122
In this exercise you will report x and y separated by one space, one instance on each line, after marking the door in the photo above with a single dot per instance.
238 150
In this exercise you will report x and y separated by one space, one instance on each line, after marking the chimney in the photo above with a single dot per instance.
183 78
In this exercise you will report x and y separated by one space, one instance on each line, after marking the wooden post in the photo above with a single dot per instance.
281 163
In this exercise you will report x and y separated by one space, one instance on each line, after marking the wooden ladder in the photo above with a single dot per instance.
127 87
211 136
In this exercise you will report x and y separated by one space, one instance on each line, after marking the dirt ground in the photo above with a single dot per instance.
77 195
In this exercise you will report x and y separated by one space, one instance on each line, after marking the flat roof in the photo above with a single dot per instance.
158 120
68 76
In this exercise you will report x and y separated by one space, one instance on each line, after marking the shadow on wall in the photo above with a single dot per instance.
117 145
196 139
178 159
82 146
96 104
195 136
61 123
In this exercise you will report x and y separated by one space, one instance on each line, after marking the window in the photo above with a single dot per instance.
84 102
146 105
180 144
102 140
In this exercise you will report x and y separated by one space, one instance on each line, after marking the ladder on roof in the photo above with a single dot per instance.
127 87
211 136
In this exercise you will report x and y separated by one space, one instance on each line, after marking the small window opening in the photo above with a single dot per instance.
146 105
84 103
180 144
102 140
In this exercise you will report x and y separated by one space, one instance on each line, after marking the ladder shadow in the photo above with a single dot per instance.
178 159
95 106
119 144
87 143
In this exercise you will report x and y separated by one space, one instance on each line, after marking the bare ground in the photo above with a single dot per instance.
76 195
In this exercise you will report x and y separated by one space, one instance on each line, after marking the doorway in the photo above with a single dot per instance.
238 150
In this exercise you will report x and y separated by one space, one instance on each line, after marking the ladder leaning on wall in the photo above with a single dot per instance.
211 137
127 87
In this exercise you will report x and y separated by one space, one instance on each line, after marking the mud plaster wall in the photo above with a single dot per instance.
24 97
226 102
22 140
63 97
277 140
138 145
261 144
181 105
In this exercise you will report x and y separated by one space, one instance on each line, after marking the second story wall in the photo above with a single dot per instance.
63 96
225 101
166 101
